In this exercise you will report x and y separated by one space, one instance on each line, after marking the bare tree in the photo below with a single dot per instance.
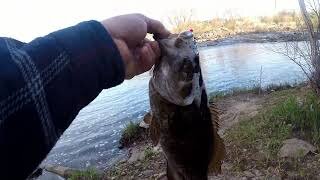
313 29
306 54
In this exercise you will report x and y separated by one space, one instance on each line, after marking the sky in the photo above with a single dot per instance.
27 19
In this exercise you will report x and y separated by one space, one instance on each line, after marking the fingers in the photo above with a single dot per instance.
127 58
157 28
154 46
147 58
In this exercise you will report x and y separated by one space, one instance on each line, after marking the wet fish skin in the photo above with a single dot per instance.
182 121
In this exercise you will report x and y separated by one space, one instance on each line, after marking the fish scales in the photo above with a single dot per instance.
182 120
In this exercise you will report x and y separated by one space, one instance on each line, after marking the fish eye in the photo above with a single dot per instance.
185 60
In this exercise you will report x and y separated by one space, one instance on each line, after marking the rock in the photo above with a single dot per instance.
146 121
60 170
257 172
48 176
137 164
243 178
136 155
147 172
253 113
161 176
144 125
295 148
122 161
274 177
248 174
157 148
36 173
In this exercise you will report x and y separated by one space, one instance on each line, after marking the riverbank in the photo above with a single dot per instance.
231 26
255 129
255 37
273 135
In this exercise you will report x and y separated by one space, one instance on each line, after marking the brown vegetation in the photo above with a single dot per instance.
217 28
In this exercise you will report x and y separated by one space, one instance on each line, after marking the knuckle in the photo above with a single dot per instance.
139 15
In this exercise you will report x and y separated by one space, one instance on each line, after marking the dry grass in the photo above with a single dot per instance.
255 141
224 27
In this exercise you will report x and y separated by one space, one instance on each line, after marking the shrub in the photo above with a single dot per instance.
131 133
303 114
90 174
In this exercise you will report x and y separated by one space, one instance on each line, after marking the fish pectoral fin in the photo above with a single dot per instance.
219 150
154 130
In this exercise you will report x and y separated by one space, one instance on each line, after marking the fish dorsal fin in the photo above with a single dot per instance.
154 128
219 150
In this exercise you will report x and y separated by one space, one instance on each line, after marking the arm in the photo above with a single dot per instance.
45 83
43 86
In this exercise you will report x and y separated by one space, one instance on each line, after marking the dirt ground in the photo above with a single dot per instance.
147 162
154 166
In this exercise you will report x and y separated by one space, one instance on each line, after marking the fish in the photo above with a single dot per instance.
182 120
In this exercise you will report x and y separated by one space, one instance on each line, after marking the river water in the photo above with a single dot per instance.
93 137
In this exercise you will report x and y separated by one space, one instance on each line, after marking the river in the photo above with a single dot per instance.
93 137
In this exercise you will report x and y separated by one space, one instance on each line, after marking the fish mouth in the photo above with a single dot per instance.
188 74
188 70
187 77
186 89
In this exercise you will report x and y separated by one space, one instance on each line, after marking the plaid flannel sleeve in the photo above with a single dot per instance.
43 86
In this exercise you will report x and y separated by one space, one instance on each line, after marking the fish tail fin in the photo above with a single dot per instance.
219 150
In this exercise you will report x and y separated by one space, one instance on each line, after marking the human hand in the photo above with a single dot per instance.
129 32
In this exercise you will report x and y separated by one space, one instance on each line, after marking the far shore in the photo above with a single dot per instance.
255 37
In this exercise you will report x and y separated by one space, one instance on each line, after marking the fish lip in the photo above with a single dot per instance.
185 83
187 76
161 46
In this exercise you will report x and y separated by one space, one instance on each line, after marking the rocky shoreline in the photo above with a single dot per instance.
261 37
293 159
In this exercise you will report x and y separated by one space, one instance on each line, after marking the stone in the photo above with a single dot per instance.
143 125
147 172
60 170
248 174
36 173
122 161
64 172
257 172
253 113
161 176
146 121
137 164
295 148
157 148
274 177
136 155
48 176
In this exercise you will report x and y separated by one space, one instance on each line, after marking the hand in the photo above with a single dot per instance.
129 32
